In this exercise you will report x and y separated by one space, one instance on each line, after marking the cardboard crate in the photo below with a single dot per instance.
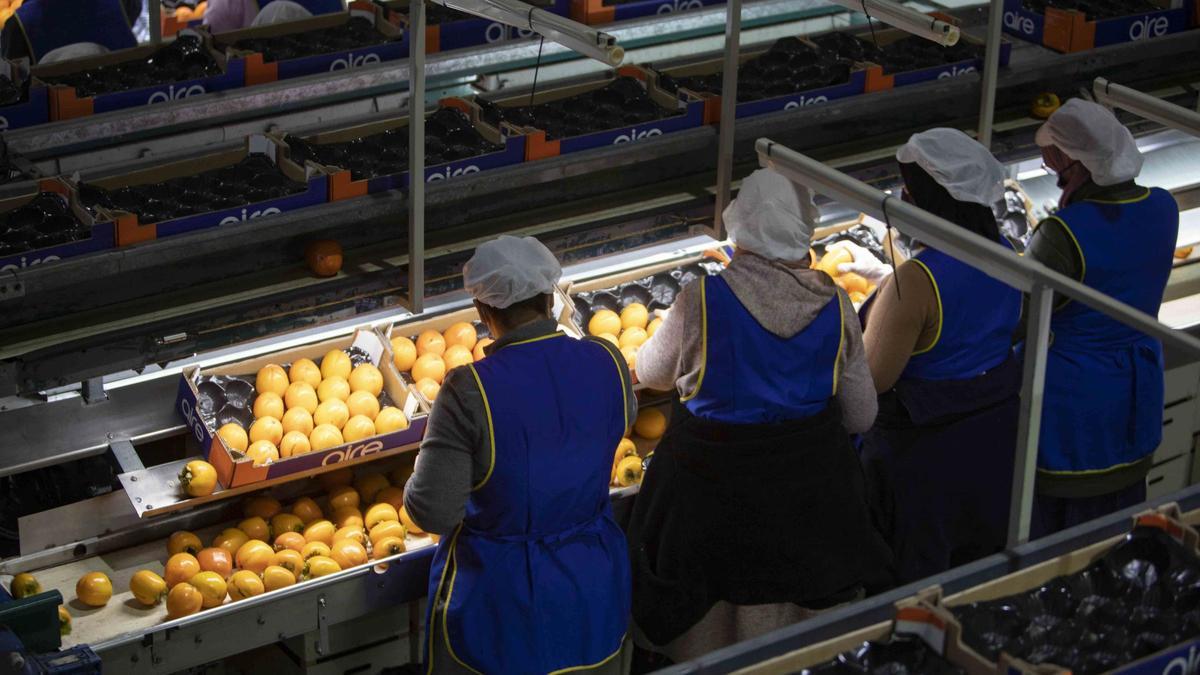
712 102
258 71
537 146
594 12
129 231
65 103
34 110
468 31
1181 657
343 186
878 81
103 232
1071 31
234 470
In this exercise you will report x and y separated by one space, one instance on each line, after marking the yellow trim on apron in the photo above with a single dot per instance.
1121 201
487 409
703 341
937 292
432 630
610 657
608 348
1074 240
33 58
1093 472
837 360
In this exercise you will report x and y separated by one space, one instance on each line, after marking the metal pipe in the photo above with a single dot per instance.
1029 425
906 19
1147 106
989 257
991 69
416 156
729 82
570 34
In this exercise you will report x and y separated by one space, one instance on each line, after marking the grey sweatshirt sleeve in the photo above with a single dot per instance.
673 357
454 455
855 388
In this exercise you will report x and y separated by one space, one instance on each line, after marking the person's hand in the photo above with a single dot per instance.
864 263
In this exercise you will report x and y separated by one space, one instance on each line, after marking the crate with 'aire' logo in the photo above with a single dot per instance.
1070 30
67 102
100 230
369 144
633 106
262 65
207 400
224 188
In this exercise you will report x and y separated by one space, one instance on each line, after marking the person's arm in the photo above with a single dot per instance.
133 9
896 324
436 494
12 41
1053 245
631 405
223 16
660 361
855 390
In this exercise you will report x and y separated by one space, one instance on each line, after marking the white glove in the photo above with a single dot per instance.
865 263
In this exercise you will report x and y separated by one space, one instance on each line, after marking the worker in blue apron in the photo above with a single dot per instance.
532 573
227 15
1102 414
938 335
48 31
753 512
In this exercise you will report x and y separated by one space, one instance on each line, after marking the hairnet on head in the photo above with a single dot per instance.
772 217
1090 134
280 11
509 269
958 163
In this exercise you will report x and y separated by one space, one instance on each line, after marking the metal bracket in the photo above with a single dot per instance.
322 628
126 455
11 287
92 390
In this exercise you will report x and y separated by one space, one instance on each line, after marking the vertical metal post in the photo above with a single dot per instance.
154 12
416 155
991 69
1037 344
733 34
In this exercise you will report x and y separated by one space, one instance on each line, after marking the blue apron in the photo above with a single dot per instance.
751 376
314 6
1103 403
50 24
939 459
536 578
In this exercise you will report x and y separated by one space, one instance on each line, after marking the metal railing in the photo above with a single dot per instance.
1000 263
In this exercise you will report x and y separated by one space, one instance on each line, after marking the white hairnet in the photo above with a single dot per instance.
509 269
958 163
772 217
1090 134
77 50
281 11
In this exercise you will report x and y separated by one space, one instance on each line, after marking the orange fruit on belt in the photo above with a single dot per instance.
184 599
324 257
147 587
94 589
181 567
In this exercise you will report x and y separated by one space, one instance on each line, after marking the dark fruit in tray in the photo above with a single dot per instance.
1139 598
788 67
10 92
623 102
1094 9
899 654
449 136
907 53
356 33
184 59
254 179
43 221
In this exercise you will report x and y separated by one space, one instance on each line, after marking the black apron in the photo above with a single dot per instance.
750 514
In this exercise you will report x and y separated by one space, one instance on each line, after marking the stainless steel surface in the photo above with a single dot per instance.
416 160
991 70
725 137
53 433
1029 424
1149 107
991 258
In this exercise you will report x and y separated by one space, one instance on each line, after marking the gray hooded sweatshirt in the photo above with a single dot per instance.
784 301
